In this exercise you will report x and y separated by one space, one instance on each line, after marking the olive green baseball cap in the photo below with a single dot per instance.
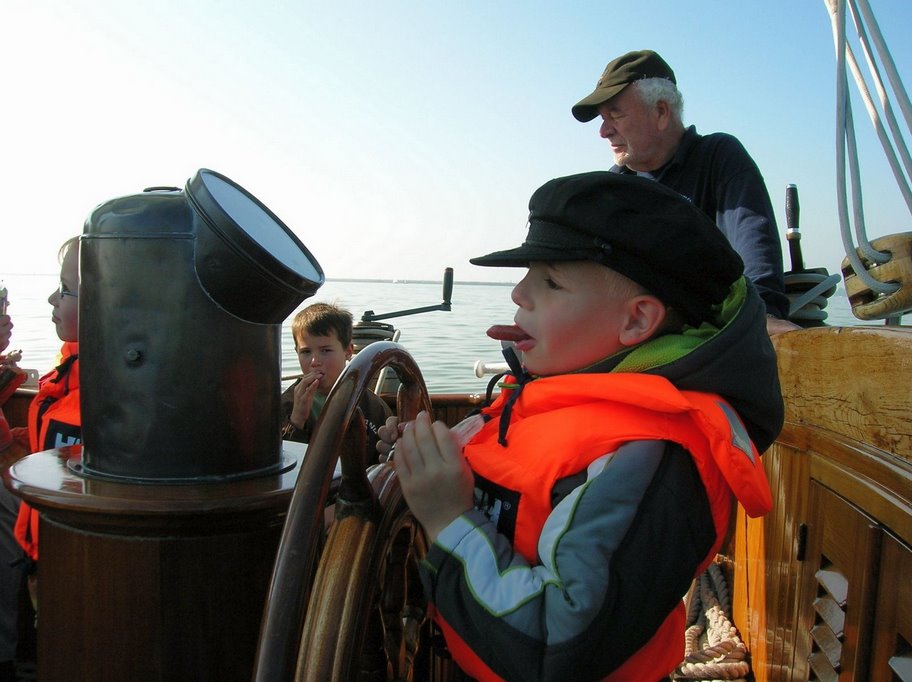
620 73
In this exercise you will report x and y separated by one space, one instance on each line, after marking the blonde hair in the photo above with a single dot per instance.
66 246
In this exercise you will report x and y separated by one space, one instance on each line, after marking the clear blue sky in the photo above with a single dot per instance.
397 138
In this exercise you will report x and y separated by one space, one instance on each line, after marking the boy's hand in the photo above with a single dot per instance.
6 330
435 477
6 436
303 398
387 435
13 442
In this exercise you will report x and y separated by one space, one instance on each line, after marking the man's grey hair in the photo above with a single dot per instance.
654 90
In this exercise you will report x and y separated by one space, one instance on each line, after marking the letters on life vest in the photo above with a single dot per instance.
53 422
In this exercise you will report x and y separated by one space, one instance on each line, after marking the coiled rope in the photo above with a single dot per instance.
712 646
808 293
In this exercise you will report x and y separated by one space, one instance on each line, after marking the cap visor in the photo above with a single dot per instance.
587 108
523 255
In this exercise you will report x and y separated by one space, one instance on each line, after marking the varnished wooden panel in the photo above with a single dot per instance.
117 608
767 569
848 395
851 381
892 640
842 553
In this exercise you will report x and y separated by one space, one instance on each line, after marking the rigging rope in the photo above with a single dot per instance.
845 133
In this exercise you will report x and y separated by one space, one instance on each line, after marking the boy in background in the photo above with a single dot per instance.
569 518
323 341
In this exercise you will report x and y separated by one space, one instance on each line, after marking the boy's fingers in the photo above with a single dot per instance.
407 455
390 430
424 448
445 442
424 436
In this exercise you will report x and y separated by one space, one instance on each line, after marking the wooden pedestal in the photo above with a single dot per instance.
151 582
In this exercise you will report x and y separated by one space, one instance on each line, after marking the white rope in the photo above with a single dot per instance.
843 111
845 136
890 67
885 142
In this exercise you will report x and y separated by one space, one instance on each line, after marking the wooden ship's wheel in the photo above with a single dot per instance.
347 604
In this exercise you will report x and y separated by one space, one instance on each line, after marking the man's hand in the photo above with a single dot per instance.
435 477
776 326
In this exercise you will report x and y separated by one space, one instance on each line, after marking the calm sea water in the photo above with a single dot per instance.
446 345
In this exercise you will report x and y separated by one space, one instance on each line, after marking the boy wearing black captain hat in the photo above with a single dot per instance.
569 519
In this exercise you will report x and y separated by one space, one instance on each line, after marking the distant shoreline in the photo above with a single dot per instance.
417 281
374 280
840 289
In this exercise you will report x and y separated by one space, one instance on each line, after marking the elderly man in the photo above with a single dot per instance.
644 125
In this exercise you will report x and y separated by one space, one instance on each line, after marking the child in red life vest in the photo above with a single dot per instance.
569 518
54 417
10 573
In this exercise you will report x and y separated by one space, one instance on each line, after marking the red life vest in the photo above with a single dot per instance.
561 424
53 422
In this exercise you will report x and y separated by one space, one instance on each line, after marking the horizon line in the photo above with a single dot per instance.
381 280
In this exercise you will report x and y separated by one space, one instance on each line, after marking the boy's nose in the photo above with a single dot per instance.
518 295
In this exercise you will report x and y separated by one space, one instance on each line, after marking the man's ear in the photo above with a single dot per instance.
350 351
644 315
663 114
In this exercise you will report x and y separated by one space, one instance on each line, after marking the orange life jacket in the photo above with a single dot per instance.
53 422
561 424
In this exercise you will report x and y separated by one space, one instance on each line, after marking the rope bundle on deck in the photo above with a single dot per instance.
713 649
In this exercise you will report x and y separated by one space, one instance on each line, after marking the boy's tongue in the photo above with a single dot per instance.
507 332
